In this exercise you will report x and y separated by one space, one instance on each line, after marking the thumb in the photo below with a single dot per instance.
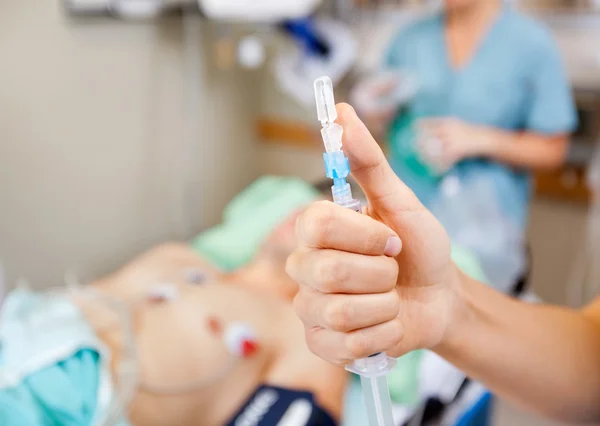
383 189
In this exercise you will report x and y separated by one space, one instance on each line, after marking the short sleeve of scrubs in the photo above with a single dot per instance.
551 109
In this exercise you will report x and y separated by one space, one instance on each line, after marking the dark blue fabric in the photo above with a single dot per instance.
269 404
303 32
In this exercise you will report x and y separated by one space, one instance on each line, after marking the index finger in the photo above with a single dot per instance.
325 225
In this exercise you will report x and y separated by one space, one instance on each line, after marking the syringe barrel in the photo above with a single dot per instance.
353 205
374 365
342 195
377 401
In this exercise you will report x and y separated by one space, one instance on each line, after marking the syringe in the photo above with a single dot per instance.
372 370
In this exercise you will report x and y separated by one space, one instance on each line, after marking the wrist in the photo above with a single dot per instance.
462 314
486 141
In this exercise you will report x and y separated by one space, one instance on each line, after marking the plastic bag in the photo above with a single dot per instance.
472 215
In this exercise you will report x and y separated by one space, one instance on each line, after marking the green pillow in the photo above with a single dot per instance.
250 217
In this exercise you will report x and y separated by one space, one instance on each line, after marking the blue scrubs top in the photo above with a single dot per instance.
515 81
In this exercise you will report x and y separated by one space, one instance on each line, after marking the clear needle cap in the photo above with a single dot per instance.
325 100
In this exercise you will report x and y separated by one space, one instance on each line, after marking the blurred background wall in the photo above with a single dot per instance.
92 119
92 128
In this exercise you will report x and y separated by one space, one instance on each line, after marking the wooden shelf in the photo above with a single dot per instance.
567 184
288 133
274 131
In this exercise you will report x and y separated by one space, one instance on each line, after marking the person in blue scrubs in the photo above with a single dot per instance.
492 90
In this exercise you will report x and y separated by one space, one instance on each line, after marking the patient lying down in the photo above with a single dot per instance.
234 336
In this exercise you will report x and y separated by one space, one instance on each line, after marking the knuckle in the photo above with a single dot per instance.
358 345
297 302
302 304
338 315
317 222
291 265
312 342
373 243
299 305
393 270
331 273
393 303
387 273
315 345
397 331
339 362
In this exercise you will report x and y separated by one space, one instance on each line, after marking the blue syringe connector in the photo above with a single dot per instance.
338 168
336 165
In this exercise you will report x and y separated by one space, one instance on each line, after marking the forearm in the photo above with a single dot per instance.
545 358
525 150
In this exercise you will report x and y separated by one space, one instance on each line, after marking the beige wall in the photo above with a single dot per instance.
92 118
556 237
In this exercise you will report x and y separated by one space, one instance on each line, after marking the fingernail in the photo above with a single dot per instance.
393 247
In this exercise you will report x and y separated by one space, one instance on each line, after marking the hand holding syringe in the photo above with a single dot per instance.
372 370
362 290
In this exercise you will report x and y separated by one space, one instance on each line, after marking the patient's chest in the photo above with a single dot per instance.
184 341
200 338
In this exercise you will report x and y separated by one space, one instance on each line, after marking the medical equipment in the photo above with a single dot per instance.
325 47
239 339
372 370
195 276
264 11
261 11
136 9
122 9
163 293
